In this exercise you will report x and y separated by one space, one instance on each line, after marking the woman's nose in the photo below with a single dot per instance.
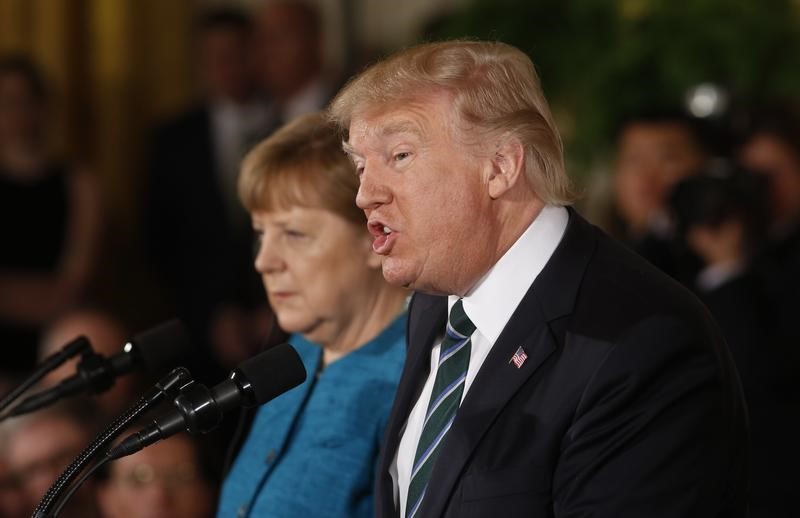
268 258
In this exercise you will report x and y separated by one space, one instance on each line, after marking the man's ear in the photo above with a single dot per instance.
508 166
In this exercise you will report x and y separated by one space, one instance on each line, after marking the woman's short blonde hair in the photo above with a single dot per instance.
494 88
301 164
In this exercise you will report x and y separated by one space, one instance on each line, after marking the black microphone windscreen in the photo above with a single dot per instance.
164 345
273 372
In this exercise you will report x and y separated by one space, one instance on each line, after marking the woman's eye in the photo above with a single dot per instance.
258 238
294 234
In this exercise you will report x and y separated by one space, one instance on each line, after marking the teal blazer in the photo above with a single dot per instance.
312 451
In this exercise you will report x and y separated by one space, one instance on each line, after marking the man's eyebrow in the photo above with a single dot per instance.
348 149
390 129
401 126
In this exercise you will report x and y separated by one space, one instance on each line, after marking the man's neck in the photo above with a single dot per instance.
513 220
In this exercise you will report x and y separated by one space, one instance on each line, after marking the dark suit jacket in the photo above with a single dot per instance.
201 256
627 406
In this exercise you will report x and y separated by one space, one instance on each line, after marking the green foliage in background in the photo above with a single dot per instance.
603 59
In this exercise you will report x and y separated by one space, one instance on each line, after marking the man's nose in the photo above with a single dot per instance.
373 190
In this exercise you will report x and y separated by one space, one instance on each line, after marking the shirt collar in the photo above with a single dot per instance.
494 299
228 114
310 99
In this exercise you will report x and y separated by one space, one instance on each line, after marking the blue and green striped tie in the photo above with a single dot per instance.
445 399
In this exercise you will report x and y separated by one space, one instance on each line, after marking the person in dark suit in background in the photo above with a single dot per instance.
655 150
289 59
771 147
720 214
197 235
550 372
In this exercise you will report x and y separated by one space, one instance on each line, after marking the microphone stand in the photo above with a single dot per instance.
94 375
78 483
77 346
169 386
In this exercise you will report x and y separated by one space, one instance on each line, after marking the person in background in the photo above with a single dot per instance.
165 480
41 446
289 61
654 152
551 372
312 451
771 148
195 231
49 218
13 503
719 215
107 336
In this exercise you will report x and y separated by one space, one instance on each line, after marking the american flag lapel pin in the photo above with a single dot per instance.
519 357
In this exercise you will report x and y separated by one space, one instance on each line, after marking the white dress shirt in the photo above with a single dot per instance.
489 306
713 276
234 129
312 98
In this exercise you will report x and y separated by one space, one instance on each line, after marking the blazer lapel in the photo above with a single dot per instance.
551 296
288 406
427 317
496 383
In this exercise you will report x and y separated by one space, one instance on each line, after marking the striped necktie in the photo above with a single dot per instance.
445 398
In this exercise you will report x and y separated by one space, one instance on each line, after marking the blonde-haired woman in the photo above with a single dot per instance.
313 450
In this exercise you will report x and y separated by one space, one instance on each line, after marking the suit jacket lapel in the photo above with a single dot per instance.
427 317
497 381
552 295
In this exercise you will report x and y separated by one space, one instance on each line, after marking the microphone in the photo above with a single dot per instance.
199 409
169 386
154 349
79 345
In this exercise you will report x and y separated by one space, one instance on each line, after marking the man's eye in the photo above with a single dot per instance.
359 170
401 156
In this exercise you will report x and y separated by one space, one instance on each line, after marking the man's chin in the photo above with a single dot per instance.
396 274
402 276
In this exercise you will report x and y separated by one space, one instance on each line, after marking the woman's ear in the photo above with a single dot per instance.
508 166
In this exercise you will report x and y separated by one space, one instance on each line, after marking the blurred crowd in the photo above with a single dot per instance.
258 70
714 204
717 207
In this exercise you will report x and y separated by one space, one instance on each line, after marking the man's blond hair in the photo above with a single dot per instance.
494 88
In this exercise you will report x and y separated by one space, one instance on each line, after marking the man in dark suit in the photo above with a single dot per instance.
771 147
550 372
197 234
